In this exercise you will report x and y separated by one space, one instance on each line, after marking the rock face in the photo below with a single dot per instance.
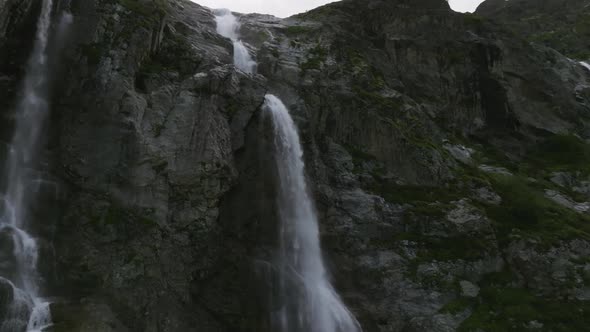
441 148
562 25
12 15
15 307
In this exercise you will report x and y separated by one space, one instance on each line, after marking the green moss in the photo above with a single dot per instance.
120 217
114 215
502 307
356 58
375 99
92 52
175 56
275 52
358 154
457 306
415 194
453 248
316 57
473 19
298 30
431 210
154 9
564 36
488 154
561 153
525 208
311 64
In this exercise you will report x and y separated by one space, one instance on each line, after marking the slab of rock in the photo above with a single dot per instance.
495 170
567 202
460 152
468 289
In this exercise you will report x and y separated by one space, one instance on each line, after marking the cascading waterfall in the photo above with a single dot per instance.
307 299
585 64
228 26
27 308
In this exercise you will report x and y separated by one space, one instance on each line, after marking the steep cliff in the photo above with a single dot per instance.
448 157
562 25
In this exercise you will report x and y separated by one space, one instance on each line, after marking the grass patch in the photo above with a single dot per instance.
501 307
376 99
453 248
316 57
415 194
473 19
561 153
524 207
297 30
457 306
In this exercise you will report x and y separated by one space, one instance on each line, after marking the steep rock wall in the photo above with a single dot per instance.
447 157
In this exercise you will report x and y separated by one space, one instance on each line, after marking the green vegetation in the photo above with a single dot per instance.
473 19
275 52
458 305
316 57
427 203
359 155
296 30
153 9
376 99
452 248
415 194
502 307
560 153
525 207
117 216
564 36
92 52
175 56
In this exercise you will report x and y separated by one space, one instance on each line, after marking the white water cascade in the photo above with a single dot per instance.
585 64
307 299
21 186
228 26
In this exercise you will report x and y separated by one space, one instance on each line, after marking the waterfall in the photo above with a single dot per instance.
585 64
27 309
308 302
228 26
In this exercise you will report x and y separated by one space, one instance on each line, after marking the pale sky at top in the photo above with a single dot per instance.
284 8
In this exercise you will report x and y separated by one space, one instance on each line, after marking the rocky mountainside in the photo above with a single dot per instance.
562 25
448 156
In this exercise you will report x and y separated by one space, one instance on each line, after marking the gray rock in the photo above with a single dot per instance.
15 307
468 289
487 195
460 152
495 170
567 202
